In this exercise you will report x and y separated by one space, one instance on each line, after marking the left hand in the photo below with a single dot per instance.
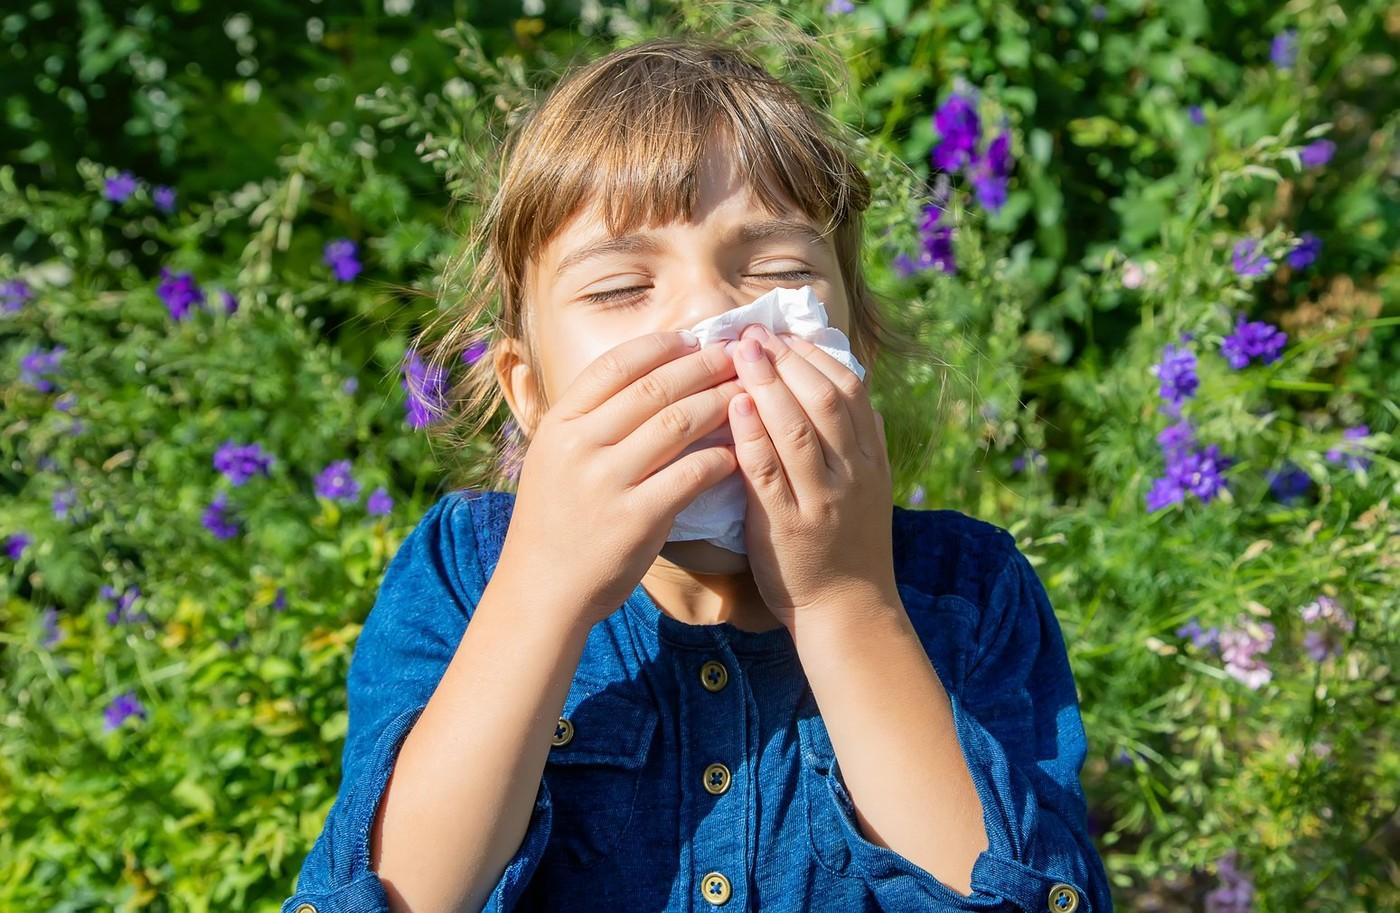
820 497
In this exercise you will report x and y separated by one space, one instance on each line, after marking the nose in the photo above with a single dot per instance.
710 300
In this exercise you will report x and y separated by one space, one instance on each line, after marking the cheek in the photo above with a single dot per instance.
573 349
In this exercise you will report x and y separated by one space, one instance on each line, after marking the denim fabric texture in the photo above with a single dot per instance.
622 819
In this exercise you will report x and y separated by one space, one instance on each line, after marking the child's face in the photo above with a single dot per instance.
675 276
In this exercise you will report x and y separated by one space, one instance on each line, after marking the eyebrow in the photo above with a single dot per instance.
746 233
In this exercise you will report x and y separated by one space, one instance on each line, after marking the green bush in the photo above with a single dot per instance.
1231 613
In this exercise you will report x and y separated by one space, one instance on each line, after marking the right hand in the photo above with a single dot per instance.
595 498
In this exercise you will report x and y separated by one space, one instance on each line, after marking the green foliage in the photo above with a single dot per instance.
283 131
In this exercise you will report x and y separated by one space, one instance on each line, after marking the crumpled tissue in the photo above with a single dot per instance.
717 513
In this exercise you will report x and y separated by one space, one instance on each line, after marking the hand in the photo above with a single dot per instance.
820 497
600 485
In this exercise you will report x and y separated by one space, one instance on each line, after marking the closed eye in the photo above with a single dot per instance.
631 292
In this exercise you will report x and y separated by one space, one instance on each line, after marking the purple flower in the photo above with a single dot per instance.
53 634
350 385
118 188
917 496
16 544
1317 153
66 402
1350 449
379 503
1240 649
217 520
1174 438
164 198
63 501
1032 458
1176 375
1164 492
179 292
1189 470
1330 621
124 706
1099 12
1198 117
839 6
14 295
341 255
121 611
475 350
1254 339
1289 483
279 604
1201 638
240 462
230 302
1305 254
958 128
37 363
935 245
1249 260
336 482
1235 893
1283 50
426 386
989 173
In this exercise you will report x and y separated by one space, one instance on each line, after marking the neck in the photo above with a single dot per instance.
696 583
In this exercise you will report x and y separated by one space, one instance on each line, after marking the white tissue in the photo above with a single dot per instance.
717 513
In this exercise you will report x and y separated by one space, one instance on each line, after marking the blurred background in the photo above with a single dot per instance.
1152 244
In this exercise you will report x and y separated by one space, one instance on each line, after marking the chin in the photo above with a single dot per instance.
703 557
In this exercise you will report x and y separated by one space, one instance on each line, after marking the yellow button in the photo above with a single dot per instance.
1063 899
714 887
305 908
713 675
716 778
563 731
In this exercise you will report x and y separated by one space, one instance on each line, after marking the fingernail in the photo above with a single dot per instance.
729 347
689 338
755 331
750 350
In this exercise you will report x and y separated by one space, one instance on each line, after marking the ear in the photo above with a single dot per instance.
518 383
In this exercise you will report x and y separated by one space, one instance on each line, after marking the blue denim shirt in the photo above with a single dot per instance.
632 811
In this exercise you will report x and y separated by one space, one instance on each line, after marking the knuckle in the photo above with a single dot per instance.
651 390
677 422
612 366
827 399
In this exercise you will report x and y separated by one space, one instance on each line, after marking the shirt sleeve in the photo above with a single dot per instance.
1018 721
419 616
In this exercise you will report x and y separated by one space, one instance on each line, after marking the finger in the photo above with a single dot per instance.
758 460
799 446
618 368
824 401
677 429
855 388
676 485
652 390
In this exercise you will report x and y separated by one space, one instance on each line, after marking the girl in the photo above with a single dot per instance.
551 707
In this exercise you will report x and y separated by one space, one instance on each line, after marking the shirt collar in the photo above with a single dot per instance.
644 614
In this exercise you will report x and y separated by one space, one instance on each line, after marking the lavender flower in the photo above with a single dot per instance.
341 255
1032 458
935 247
989 174
121 611
164 198
917 496
1201 638
426 386
336 482
1198 117
53 634
1176 437
1235 893
839 6
40 362
1289 483
1305 254
217 520
63 501
1254 339
379 502
240 462
1240 649
14 295
1190 471
350 385
124 706
958 128
179 292
1350 449
1249 260
1176 374
1283 50
230 302
119 188
475 350
16 544
279 604
1330 622
1317 153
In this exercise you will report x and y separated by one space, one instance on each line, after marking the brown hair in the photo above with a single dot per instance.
630 130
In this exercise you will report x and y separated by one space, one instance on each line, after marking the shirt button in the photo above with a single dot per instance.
563 731
305 908
714 887
1063 899
713 675
716 779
